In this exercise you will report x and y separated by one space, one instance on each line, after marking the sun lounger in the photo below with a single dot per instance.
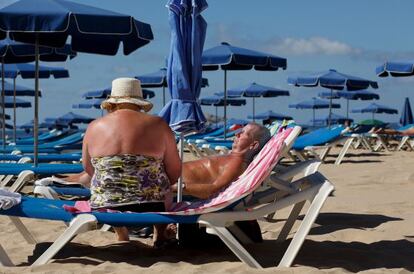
41 169
214 213
44 158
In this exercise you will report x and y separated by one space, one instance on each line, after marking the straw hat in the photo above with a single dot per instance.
127 90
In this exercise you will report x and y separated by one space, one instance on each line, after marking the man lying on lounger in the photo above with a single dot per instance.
204 177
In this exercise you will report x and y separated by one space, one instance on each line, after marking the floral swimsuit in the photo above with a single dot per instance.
127 179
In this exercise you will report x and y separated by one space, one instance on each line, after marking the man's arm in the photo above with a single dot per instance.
230 173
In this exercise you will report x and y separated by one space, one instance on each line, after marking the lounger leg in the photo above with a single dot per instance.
306 224
82 223
290 221
324 153
4 258
234 245
30 239
21 181
404 142
343 151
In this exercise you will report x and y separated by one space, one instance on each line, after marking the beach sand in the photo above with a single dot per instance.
366 226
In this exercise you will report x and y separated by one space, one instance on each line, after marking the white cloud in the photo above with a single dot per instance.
311 46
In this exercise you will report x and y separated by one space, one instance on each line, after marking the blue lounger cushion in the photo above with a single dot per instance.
68 157
318 137
41 169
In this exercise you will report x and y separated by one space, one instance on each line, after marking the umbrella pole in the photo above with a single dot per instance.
36 105
373 113
3 105
163 96
225 103
330 109
347 109
253 111
180 180
216 117
14 110
313 110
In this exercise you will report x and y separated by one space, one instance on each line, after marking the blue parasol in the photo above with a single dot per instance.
332 80
158 79
228 57
270 115
396 69
92 30
375 108
218 101
104 93
314 104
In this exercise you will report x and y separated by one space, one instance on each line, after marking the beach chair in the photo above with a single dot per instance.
318 143
44 158
215 213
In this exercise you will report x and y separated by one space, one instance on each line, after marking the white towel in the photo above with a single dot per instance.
9 199
55 180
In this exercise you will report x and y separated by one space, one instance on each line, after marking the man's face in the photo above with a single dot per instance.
244 138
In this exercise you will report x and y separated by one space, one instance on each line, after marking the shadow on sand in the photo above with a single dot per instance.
353 256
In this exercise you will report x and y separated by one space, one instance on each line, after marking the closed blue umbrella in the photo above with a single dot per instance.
314 104
363 95
92 30
407 114
396 69
270 115
333 80
218 101
255 90
375 108
158 79
15 52
104 93
228 57
188 29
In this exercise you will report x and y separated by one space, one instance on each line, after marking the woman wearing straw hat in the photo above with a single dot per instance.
130 155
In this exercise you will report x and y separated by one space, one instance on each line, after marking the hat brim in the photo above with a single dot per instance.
144 104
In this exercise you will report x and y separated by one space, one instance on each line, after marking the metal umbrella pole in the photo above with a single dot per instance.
3 104
254 112
330 109
163 96
225 103
36 101
14 110
347 109
313 110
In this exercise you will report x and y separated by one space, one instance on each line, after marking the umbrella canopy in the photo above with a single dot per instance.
9 90
333 80
218 101
228 57
10 102
73 118
27 71
314 104
158 79
335 119
90 103
92 30
406 114
104 93
375 108
255 90
188 30
52 21
395 69
270 115
372 122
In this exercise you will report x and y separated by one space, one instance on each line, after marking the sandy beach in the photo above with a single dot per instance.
366 226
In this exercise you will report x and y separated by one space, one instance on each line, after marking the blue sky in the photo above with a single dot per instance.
351 36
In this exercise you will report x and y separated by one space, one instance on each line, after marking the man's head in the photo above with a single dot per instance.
250 140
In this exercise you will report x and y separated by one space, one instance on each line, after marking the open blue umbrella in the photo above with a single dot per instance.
158 79
92 30
74 118
218 101
90 103
406 114
27 71
314 104
270 115
254 90
375 108
363 95
104 93
335 119
10 89
228 57
10 102
396 69
332 80
15 52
